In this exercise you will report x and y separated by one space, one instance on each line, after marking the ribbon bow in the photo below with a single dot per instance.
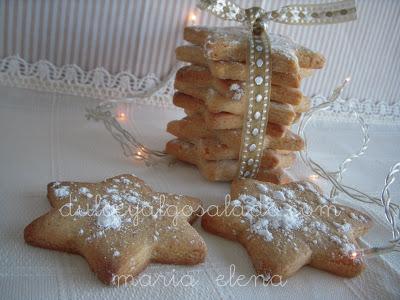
258 60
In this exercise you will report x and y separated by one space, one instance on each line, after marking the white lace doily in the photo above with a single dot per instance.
100 84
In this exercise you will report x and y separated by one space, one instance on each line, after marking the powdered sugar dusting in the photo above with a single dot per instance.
292 210
265 214
121 205
62 191
278 195
84 190
109 217
263 188
345 228
237 91
357 217
236 38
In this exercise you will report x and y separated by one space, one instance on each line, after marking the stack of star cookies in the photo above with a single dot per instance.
212 91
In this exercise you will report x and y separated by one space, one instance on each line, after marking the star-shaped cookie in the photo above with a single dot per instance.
119 226
284 227
229 44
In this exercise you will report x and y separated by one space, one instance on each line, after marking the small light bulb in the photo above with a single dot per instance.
121 116
354 255
193 19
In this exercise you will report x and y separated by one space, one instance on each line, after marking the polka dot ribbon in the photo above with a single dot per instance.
258 58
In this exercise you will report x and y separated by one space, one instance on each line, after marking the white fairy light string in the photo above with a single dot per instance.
335 96
133 148
130 145
392 210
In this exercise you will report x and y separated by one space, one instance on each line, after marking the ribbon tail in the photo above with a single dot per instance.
316 14
224 9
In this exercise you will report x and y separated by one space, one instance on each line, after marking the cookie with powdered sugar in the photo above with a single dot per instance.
285 227
281 74
230 44
234 70
234 90
119 226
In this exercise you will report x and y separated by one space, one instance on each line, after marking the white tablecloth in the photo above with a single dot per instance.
45 137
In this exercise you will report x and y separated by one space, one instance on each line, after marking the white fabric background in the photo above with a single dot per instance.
140 36
44 137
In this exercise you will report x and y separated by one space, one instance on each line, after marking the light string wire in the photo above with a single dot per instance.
130 145
392 210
